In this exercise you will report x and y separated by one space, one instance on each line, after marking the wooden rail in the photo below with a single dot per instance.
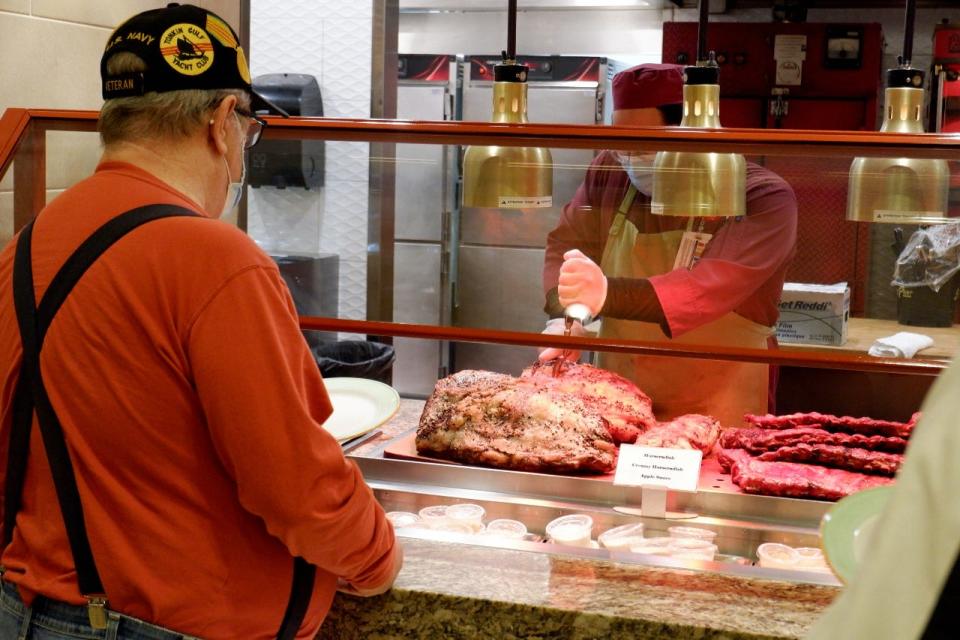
22 133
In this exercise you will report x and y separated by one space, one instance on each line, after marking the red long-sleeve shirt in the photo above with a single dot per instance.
742 268
191 408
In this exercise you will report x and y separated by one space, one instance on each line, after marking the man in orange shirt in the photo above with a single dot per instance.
167 475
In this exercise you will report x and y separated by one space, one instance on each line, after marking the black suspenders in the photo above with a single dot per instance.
31 395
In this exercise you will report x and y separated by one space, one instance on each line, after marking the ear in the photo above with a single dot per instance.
220 123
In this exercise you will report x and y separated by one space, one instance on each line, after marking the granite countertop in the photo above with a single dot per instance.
449 590
454 590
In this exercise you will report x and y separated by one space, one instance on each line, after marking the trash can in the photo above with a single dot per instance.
924 307
355 359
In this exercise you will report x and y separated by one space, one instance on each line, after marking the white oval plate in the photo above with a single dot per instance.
359 406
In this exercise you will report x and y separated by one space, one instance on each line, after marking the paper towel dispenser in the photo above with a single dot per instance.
289 163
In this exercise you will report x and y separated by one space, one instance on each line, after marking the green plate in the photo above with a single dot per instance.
848 527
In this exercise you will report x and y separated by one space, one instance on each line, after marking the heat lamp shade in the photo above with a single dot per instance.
699 184
899 190
501 177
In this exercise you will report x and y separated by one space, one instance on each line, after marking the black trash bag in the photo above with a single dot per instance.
355 359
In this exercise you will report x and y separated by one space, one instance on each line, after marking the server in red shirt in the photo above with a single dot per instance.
610 253
165 472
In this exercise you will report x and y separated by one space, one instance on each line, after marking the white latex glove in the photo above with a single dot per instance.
555 327
581 280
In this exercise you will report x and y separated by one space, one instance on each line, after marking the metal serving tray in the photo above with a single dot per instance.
742 521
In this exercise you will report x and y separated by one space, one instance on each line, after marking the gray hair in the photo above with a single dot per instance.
165 116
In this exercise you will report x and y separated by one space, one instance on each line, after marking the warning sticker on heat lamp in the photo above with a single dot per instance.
524 202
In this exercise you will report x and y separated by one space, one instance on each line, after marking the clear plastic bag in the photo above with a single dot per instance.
930 259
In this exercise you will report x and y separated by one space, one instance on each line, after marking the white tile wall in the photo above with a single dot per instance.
101 14
71 156
332 41
48 63
15 6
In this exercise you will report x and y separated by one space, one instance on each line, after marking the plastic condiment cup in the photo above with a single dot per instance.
505 528
452 526
469 514
693 532
811 557
401 519
573 530
622 537
654 547
773 555
434 515
693 549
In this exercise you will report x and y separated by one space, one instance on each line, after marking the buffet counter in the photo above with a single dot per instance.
448 590
452 589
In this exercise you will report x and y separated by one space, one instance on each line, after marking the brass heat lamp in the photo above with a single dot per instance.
699 184
501 177
900 190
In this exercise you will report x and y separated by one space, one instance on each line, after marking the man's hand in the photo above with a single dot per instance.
346 587
581 280
555 327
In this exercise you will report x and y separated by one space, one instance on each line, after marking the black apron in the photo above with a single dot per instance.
31 395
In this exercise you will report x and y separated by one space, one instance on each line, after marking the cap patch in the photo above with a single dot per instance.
187 48
219 30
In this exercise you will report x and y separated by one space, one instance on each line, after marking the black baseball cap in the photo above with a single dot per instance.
184 47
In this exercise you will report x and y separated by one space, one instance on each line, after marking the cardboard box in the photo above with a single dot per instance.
814 313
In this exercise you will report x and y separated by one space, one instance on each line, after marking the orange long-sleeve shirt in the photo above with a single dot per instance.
191 408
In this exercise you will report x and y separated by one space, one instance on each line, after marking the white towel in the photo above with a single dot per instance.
900 345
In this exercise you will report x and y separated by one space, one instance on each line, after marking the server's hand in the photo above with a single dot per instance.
581 280
555 327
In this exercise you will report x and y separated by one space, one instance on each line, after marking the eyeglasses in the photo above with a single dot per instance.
255 130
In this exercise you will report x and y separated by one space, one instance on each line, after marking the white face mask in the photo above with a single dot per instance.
234 189
639 168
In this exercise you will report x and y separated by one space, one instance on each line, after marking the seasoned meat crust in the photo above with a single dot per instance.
496 420
690 431
627 410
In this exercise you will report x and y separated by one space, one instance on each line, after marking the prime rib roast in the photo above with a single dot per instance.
627 410
794 480
496 420
691 431
757 441
846 424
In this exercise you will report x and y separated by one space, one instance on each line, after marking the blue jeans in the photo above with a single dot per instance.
53 620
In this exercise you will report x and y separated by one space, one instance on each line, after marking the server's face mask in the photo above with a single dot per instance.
639 167
235 189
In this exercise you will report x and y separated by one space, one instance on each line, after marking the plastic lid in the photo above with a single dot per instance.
461 512
513 529
401 519
433 513
692 532
775 554
572 528
626 535
810 557
451 526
